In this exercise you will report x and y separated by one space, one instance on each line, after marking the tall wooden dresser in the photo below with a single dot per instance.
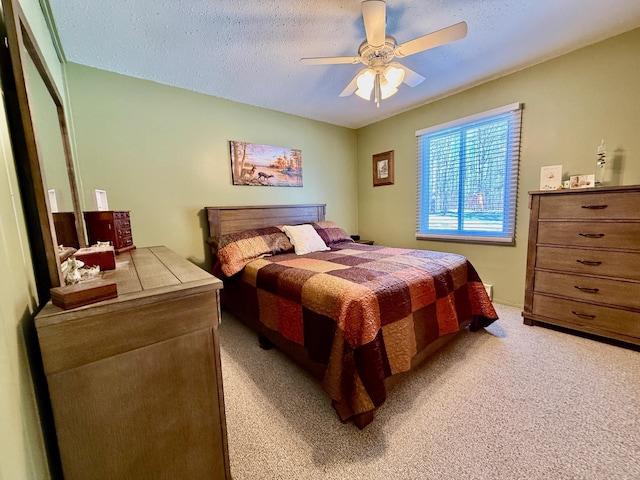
135 382
583 261
110 226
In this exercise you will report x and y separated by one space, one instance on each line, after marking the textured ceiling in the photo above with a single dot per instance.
249 50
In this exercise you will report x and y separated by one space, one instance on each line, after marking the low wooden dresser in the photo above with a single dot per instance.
110 226
583 261
135 382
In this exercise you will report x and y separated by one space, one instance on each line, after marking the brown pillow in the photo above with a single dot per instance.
235 250
331 232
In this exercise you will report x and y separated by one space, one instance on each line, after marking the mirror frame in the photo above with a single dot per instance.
20 39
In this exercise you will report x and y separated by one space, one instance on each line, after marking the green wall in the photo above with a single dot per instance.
21 450
570 104
162 153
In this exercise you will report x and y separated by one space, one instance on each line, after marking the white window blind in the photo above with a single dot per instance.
468 177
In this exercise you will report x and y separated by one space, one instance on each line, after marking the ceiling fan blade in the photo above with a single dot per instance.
374 14
411 78
329 60
431 40
352 87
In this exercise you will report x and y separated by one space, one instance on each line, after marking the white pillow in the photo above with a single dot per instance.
304 239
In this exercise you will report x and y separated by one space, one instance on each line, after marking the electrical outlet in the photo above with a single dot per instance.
489 289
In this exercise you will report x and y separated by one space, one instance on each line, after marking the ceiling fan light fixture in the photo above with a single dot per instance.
366 79
394 74
382 83
387 90
364 94
365 83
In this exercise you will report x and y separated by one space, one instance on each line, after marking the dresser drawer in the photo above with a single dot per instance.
125 232
123 242
597 205
584 314
590 289
590 262
590 234
123 223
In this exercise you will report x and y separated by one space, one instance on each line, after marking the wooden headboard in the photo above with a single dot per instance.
223 220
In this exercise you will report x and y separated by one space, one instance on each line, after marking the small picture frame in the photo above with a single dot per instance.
551 177
101 200
383 169
53 200
582 181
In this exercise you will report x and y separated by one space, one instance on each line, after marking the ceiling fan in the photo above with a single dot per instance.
382 76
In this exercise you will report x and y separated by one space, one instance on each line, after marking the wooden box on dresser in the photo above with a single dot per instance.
110 226
583 261
135 382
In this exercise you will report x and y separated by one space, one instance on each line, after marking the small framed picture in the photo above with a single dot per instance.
101 200
383 169
582 181
551 177
53 200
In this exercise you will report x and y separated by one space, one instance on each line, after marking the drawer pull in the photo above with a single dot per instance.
592 235
583 315
589 262
594 207
587 289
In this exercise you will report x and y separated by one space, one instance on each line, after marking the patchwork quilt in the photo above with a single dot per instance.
365 311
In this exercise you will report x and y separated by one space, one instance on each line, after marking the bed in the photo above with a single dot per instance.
356 316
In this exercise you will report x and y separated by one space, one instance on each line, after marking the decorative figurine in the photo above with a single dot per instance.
601 164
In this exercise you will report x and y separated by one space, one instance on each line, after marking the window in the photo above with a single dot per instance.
467 178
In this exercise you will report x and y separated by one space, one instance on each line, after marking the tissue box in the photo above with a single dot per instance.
104 257
83 293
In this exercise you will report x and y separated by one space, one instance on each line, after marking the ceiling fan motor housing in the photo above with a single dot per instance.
380 57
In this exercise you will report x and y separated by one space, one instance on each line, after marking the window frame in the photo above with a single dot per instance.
507 234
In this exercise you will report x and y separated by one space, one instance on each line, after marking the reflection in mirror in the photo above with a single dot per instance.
44 117
50 147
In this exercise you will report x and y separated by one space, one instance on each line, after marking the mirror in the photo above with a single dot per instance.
44 116
45 144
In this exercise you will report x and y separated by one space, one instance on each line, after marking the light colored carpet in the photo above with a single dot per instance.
508 402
